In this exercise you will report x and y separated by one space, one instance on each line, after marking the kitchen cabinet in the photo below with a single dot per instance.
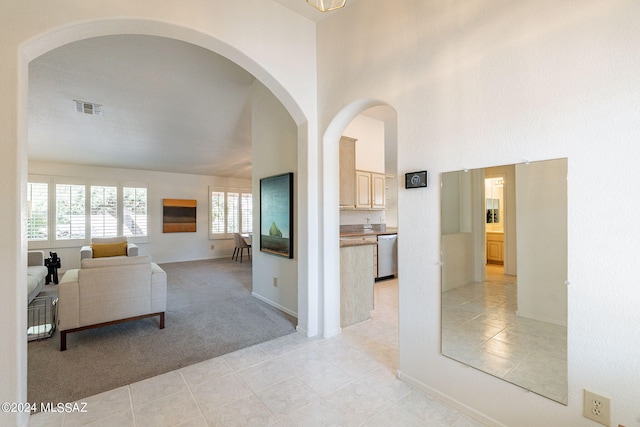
363 189
377 191
347 172
358 189
356 283
370 190
495 248
374 241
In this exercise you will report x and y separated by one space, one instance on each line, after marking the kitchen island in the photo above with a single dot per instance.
385 261
356 280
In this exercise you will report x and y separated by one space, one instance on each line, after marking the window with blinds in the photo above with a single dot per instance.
70 212
37 211
104 211
134 211
246 212
218 212
79 210
231 212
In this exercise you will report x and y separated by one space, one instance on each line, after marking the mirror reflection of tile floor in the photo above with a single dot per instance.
348 380
481 329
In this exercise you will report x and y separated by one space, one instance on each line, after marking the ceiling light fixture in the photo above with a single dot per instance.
327 5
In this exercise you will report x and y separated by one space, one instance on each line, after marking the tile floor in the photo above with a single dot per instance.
481 329
348 380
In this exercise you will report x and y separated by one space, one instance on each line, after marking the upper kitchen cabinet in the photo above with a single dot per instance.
347 172
358 189
377 191
370 190
362 165
363 189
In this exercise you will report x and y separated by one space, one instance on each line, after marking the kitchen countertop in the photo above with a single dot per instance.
347 243
363 233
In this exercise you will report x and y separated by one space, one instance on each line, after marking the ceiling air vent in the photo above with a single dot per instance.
88 108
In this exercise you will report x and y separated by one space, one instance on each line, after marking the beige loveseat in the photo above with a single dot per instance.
111 290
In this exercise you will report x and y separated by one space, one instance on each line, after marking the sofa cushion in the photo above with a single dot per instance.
36 278
32 284
102 250
117 239
38 271
114 261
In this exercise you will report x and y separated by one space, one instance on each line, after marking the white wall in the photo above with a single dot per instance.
351 217
478 84
274 151
370 148
163 247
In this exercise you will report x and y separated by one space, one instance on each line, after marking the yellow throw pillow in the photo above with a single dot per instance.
101 250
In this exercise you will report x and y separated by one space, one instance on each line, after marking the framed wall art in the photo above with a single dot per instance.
276 215
178 216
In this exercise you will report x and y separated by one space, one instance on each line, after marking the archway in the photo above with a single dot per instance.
56 38
331 216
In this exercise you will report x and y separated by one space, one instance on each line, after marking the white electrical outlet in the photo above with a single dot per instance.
275 282
597 408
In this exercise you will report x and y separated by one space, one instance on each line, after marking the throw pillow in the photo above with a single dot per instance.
101 250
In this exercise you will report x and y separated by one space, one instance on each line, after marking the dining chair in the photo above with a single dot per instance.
241 245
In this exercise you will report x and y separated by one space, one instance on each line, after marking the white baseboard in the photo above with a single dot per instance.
483 418
276 305
333 333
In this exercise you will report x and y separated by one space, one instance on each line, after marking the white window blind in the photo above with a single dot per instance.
246 212
70 211
134 212
231 212
104 211
217 213
37 211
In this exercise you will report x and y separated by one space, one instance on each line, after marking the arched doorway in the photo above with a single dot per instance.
331 215
55 38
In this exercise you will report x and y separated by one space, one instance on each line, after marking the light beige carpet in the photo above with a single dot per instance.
210 312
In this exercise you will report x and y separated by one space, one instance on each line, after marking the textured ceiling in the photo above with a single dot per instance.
167 105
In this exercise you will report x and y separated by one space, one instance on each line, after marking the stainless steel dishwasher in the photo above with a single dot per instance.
387 255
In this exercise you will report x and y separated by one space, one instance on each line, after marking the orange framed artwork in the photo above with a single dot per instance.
178 215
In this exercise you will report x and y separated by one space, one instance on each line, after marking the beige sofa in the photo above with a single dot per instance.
36 274
111 290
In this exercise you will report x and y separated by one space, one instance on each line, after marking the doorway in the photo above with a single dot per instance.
495 216
374 133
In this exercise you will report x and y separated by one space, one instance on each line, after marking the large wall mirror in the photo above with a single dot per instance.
504 273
